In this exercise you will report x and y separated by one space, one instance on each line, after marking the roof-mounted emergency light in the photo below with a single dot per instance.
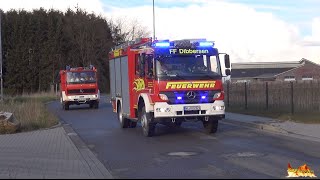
206 44
162 44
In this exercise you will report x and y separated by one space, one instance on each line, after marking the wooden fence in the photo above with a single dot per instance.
297 96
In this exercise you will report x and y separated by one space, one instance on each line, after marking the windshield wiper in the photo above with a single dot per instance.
173 75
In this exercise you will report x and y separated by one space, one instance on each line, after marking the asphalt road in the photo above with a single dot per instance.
186 152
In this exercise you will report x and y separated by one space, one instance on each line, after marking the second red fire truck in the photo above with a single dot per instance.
79 85
167 82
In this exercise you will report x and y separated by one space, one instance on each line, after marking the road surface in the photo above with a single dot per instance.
186 152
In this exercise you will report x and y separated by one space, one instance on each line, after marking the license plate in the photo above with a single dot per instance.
191 108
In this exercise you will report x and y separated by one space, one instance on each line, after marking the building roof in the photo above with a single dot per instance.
267 75
263 65
264 69
258 72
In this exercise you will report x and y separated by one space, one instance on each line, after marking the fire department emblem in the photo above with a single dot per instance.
138 84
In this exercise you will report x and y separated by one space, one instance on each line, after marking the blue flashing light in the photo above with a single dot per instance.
205 44
179 98
162 44
203 97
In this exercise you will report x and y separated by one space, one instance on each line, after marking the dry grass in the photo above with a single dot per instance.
31 111
300 117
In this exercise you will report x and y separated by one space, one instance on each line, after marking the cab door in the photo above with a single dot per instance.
149 72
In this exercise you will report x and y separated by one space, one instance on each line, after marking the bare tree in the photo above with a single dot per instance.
126 29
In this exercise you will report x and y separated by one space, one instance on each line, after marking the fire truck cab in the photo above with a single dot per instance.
167 82
79 85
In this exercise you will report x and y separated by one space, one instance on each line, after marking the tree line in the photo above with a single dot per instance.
37 44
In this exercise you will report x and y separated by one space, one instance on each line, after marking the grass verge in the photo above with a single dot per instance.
299 117
31 111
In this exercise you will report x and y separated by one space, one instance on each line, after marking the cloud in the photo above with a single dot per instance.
248 35
314 39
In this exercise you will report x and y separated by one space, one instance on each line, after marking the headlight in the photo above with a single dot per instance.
163 97
163 110
217 95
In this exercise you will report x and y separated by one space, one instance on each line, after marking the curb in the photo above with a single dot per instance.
260 126
271 129
100 171
55 126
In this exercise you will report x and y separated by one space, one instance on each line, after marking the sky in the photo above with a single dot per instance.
248 30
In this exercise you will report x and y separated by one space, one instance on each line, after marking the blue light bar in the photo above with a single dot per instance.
179 97
162 44
203 97
205 44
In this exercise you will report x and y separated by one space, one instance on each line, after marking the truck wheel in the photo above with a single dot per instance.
96 104
210 126
65 106
124 122
91 105
148 127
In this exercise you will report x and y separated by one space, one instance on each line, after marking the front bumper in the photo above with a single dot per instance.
82 99
163 110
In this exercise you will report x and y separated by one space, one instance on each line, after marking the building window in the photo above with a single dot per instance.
307 78
289 78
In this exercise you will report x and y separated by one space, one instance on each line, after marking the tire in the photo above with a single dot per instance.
65 106
91 105
62 103
211 126
148 127
96 104
124 122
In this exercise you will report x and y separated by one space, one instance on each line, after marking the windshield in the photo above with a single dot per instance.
85 77
200 67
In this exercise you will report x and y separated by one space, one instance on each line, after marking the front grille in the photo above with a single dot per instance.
173 97
81 91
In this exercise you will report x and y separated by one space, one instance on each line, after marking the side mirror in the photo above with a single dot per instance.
227 61
228 72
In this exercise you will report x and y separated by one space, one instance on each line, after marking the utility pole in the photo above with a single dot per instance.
154 23
1 75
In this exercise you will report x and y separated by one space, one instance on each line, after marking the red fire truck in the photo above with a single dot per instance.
79 85
167 82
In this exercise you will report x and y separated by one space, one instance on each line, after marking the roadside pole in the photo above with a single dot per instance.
1 75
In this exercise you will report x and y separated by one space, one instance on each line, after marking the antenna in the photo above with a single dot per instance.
154 23
1 71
